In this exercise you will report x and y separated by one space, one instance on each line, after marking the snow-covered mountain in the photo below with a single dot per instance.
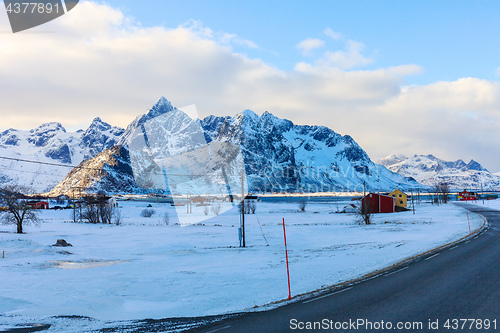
50 143
430 170
277 154
282 156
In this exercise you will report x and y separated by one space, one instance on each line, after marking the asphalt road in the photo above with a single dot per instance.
457 283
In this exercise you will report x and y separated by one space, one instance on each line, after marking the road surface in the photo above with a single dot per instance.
436 293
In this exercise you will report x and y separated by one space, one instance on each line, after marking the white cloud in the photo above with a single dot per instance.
227 39
310 44
102 63
332 34
347 59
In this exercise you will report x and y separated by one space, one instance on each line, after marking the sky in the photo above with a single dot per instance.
406 77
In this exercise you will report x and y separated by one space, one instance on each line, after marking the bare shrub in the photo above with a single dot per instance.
106 212
365 213
252 206
118 216
216 209
148 212
97 213
205 210
166 219
302 206
442 190
91 213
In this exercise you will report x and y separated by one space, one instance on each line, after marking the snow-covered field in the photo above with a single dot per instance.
147 269
493 204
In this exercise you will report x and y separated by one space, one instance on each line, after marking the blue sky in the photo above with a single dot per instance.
406 77
449 39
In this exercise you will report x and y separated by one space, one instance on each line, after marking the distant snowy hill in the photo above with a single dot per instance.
430 170
52 144
278 155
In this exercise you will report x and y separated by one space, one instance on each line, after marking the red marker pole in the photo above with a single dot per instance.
468 222
287 269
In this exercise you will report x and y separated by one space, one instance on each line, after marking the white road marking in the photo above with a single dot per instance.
399 270
432 256
373 277
467 241
335 293
454 247
219 329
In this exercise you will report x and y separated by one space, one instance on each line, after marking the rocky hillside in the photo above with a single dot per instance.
109 171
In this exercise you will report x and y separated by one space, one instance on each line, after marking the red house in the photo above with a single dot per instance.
467 196
379 203
39 205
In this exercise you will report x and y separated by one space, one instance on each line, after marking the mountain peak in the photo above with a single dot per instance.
392 159
98 124
249 113
48 127
161 106
473 165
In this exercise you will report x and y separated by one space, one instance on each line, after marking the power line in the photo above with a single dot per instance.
45 163
30 171
88 168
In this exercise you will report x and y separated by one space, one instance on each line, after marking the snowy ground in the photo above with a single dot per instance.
493 204
146 269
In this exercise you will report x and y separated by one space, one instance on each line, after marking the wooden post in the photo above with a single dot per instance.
468 223
243 206
287 268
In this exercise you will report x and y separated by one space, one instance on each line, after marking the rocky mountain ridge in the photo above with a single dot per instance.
278 155
51 144
430 170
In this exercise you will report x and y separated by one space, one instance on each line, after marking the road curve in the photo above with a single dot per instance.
458 282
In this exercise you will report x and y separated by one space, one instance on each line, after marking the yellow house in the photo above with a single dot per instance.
401 197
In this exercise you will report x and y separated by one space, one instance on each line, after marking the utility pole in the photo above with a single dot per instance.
412 202
243 206
74 206
482 193
80 205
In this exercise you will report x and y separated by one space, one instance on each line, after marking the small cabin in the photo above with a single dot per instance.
351 208
401 198
467 196
38 204
378 203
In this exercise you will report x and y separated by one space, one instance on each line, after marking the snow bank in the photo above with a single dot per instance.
147 269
